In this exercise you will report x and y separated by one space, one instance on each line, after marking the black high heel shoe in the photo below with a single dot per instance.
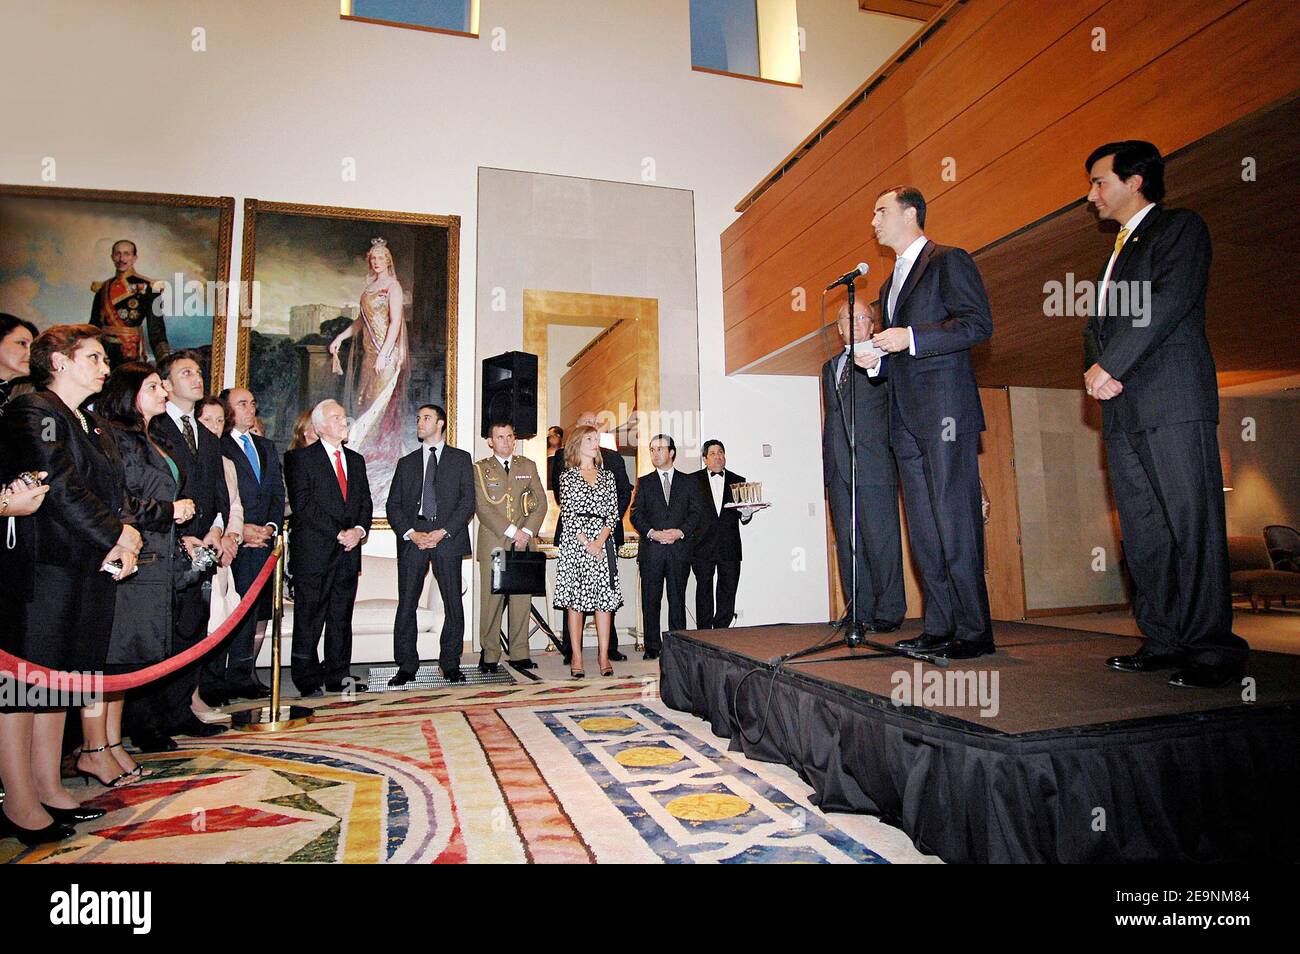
70 816
576 673
54 831
139 771
121 780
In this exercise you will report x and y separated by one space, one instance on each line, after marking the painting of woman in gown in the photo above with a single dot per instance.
375 381
342 315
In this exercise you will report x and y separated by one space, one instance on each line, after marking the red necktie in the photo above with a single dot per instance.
338 471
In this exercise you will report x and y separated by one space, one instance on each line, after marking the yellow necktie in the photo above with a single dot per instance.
1119 239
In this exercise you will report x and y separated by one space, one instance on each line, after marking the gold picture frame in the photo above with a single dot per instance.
319 233
65 241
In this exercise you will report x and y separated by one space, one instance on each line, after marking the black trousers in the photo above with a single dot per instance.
163 706
230 666
1168 486
654 574
412 566
945 525
881 597
709 615
323 601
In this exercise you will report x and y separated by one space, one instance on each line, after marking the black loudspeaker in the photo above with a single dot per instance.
510 392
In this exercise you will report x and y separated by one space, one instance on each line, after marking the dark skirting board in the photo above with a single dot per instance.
1081 764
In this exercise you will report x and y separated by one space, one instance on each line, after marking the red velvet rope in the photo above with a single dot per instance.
130 680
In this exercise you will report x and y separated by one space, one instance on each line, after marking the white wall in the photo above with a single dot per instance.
285 91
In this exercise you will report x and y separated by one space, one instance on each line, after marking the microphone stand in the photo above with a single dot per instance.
855 633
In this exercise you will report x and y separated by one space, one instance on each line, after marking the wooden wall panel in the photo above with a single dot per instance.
1174 72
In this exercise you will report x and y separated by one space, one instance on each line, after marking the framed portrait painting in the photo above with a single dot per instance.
357 305
151 269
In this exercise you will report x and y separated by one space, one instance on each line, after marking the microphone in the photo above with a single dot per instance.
848 278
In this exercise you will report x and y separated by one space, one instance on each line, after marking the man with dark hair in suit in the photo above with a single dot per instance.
717 544
612 461
162 708
430 505
330 497
229 668
125 303
934 310
666 512
1149 364
881 601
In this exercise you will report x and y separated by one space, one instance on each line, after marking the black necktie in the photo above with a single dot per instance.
507 467
188 430
842 383
429 500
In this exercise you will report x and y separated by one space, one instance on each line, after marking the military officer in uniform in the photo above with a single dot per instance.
510 502
123 305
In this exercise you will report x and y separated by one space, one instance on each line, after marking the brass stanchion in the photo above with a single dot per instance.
275 717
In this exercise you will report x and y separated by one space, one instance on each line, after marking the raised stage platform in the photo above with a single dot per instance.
1052 757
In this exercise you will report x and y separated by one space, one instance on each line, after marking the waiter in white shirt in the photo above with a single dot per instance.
717 549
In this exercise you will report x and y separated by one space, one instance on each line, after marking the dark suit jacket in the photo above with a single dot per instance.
203 476
944 303
613 462
1162 358
649 512
263 501
718 537
454 483
320 512
83 512
871 423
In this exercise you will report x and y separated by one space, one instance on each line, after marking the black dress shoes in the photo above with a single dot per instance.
1144 662
615 656
401 679
882 626
311 693
153 742
1198 676
253 691
522 665
486 667
648 654
454 675
966 649
352 686
54 831
70 816
926 642
200 730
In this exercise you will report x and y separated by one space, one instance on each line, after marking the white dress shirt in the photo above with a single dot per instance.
436 450
903 268
718 484
1131 225
331 449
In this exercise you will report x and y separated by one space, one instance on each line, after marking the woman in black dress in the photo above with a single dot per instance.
79 528
586 579
142 623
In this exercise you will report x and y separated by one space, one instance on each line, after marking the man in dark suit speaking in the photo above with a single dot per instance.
1149 364
934 310
717 544
666 513
881 601
430 505
330 497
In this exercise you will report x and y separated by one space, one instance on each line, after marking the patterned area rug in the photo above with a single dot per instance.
543 772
